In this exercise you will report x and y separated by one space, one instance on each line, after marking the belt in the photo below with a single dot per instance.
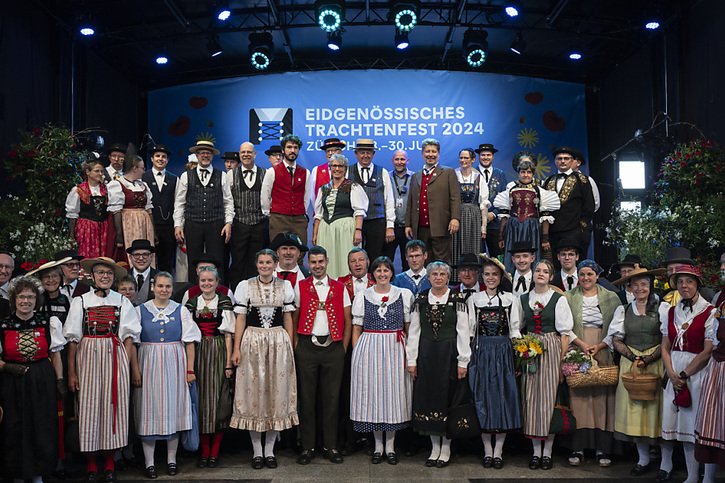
321 340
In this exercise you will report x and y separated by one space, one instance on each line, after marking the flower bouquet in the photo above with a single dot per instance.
576 362
526 350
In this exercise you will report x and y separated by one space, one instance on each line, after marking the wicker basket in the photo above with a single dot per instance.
640 386
597 376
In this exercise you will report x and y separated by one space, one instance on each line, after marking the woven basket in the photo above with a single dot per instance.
639 385
597 376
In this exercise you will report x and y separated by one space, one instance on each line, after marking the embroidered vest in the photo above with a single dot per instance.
25 341
92 207
333 307
133 199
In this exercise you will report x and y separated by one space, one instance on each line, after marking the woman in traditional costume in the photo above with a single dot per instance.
86 208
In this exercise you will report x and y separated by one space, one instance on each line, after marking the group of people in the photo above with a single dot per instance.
342 345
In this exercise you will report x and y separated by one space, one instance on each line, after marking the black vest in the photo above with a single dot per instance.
204 204
163 200
374 189
343 205
247 204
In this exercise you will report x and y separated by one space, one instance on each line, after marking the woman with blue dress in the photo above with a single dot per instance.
380 387
166 362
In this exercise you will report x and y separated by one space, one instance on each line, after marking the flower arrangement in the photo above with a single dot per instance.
526 350
576 362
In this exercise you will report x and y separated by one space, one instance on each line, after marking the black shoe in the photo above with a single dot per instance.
534 463
213 462
305 457
257 462
546 463
333 455
663 475
270 462
441 464
202 463
639 470
92 476
109 476
172 469
376 458
430 463
151 472
487 462
497 463
392 458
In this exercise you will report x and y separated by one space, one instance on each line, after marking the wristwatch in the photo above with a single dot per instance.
683 375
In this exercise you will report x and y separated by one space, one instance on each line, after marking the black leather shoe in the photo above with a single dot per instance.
305 457
109 476
546 463
92 476
534 463
334 456
441 464
497 463
430 463
257 462
270 462
376 458
487 462
392 458
213 462
663 475
202 463
639 470
151 472
172 469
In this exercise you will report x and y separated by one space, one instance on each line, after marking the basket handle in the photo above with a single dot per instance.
634 373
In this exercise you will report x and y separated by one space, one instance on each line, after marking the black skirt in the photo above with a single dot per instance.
434 385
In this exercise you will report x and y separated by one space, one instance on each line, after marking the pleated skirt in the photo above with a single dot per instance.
434 385
162 406
710 422
210 361
678 424
468 237
639 421
92 238
336 238
539 389
265 396
137 225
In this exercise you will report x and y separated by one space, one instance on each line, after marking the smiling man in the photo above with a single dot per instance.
162 184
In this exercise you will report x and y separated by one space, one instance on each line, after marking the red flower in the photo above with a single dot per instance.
26 266
12 154
682 164
385 299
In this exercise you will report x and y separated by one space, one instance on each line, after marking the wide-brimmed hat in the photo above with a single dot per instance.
363 143
161 148
573 152
639 272
288 239
487 259
141 244
276 149
204 144
87 265
233 155
205 258
469 260
47 265
71 254
330 143
685 269
521 246
569 243
678 255
116 147
629 260
486 147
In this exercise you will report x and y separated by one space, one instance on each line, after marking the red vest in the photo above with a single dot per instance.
694 339
288 195
424 218
309 301
347 281
322 177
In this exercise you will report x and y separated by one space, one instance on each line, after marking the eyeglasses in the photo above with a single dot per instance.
116 156
104 273
140 255
340 166
26 297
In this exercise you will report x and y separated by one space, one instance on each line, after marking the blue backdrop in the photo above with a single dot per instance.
396 108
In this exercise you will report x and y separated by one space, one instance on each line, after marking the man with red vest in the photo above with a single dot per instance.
358 279
289 249
323 324
320 175
286 192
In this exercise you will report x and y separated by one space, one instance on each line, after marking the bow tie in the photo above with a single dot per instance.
416 277
687 304
521 284
561 175
469 290
159 173
285 274
248 172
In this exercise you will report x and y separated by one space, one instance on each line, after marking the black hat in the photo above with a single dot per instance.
206 258
73 254
332 143
288 239
161 148
574 152
630 260
276 149
579 155
569 243
469 260
116 147
679 255
486 147
141 244
522 246
234 155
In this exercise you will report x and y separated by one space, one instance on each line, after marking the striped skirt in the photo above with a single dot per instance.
137 225
102 424
381 389
162 406
210 361
710 422
539 389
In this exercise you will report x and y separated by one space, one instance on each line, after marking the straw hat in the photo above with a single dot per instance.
639 272
87 265
47 265
487 259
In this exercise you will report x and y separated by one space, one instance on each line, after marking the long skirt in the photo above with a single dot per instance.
539 388
380 386
678 424
336 238
137 225
528 231
162 406
434 385
92 238
492 379
210 361
102 362
710 421
638 421
468 237
593 407
265 398
29 430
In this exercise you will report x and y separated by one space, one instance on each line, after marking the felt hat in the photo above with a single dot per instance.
639 272
573 152
47 265
161 148
521 246
71 254
685 269
678 255
469 260
204 144
363 143
569 243
486 147
206 258
288 239
276 149
233 155
629 260
330 143
141 244
116 147
87 265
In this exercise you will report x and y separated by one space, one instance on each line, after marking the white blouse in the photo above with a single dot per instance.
190 332
549 202
616 326
228 320
476 177
73 201
57 341
129 323
463 333
481 299
116 198
358 305
358 200
287 302
564 321
591 314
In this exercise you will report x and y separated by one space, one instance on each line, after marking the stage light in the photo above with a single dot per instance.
329 16
214 47
87 31
223 11
475 47
334 40
652 25
632 173
162 60
511 11
260 50
575 56
401 40
404 15
519 44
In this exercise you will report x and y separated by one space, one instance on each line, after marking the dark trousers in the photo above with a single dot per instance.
204 238
319 370
492 238
374 237
439 247
246 241
397 244
165 247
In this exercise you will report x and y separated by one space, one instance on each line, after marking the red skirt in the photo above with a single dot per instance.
92 238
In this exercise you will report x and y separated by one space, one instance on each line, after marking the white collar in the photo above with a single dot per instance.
280 269
567 172
156 171
422 273
526 275
145 273
325 281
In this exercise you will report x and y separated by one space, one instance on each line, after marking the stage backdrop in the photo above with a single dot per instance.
396 108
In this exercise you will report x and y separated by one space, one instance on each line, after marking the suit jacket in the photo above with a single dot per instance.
81 288
145 293
496 183
163 200
577 203
444 201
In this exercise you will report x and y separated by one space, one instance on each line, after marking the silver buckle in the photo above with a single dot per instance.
318 344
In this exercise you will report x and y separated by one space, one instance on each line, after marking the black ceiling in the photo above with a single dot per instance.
130 34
